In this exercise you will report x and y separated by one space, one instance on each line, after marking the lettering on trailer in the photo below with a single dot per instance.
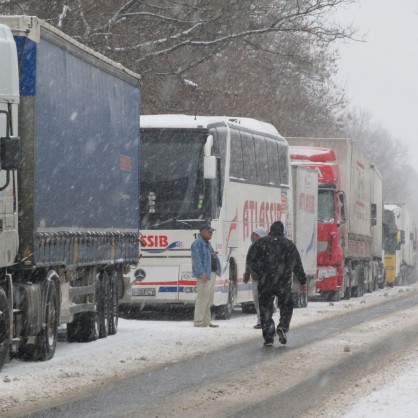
307 203
259 214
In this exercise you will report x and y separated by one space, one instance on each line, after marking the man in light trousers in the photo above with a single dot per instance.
206 266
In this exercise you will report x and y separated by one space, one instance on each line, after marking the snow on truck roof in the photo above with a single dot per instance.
190 122
31 27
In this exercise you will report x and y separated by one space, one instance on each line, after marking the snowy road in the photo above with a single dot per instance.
245 378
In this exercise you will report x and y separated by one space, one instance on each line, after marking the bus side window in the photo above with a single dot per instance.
248 154
236 168
273 162
283 162
220 134
261 159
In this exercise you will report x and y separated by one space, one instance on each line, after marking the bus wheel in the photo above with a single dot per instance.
4 328
225 311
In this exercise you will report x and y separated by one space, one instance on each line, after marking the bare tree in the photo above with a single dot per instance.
167 41
388 153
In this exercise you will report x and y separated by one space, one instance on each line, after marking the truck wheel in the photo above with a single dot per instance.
83 328
4 328
248 308
347 292
113 304
103 298
334 296
46 341
354 291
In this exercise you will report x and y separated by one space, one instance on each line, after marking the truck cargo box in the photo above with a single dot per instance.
79 126
377 211
355 180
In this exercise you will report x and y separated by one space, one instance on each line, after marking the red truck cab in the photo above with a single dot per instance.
331 216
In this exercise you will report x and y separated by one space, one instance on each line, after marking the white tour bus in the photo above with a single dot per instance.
231 172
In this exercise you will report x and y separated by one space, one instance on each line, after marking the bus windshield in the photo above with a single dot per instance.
326 210
171 178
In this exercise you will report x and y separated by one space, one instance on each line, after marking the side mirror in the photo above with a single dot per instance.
208 146
343 215
10 153
402 237
209 167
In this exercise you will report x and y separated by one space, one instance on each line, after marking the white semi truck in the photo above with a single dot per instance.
399 244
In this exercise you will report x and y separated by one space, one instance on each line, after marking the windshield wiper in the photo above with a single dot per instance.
171 220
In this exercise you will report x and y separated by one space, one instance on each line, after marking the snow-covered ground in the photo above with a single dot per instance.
141 345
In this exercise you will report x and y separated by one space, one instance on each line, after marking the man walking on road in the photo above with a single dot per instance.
206 266
274 259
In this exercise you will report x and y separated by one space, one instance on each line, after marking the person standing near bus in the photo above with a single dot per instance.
273 259
206 266
258 233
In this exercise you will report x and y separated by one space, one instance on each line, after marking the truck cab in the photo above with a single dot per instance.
9 147
331 215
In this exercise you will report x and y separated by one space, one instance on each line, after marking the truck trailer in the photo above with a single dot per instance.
349 215
69 188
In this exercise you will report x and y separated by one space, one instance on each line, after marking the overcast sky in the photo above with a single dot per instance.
381 74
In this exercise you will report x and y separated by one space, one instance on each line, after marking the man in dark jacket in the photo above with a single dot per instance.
274 258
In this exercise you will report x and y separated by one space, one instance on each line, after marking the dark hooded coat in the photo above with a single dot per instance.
273 259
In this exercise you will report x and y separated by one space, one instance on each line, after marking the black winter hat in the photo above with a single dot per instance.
277 228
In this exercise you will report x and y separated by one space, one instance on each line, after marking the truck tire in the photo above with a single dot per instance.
347 292
113 303
46 341
334 296
103 304
83 329
248 308
43 348
4 328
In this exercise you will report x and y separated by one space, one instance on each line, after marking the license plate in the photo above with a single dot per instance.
147 291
